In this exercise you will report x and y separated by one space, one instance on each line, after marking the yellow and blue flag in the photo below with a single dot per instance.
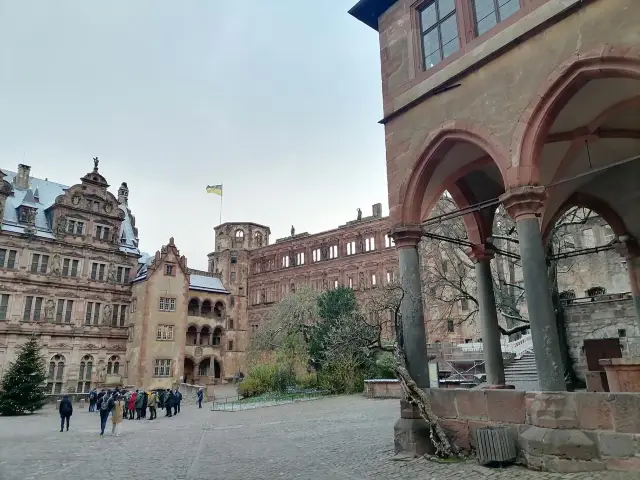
217 189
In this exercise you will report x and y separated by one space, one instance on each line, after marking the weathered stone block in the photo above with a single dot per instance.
458 433
571 444
534 462
594 411
443 402
553 410
562 465
505 406
412 436
623 464
472 404
409 410
616 444
626 412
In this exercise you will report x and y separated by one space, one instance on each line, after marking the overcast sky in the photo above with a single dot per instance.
278 100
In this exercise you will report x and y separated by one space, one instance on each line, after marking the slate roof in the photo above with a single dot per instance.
204 283
47 192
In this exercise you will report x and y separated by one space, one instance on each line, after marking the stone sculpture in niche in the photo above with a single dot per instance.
56 268
111 275
61 226
106 315
49 309
363 284
76 199
359 244
324 253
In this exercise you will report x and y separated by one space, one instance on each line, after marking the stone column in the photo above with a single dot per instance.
630 250
198 338
481 255
524 205
407 238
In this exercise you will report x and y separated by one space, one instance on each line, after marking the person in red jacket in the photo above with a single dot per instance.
131 405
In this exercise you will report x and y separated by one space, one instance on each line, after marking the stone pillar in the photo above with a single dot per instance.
481 255
198 338
407 239
630 250
524 205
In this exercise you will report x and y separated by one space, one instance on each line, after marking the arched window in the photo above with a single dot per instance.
258 239
113 366
205 336
239 235
206 308
218 311
84 377
194 307
56 374
203 367
192 335
217 336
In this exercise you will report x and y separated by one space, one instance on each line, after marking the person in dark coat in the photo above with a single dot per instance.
169 403
177 398
145 403
66 410
138 404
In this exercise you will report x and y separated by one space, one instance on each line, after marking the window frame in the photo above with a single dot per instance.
162 369
456 12
471 4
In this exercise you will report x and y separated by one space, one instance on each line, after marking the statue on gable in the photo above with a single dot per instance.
359 214
293 231
96 161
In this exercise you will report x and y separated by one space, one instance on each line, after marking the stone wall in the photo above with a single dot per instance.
555 431
382 388
604 317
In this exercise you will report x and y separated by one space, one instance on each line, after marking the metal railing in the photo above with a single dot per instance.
236 403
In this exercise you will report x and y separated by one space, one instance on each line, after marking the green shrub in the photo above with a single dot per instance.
282 379
384 366
343 376
259 380
307 381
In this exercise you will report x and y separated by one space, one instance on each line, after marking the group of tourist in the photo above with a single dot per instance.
123 404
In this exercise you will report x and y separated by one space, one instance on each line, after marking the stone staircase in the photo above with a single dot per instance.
522 372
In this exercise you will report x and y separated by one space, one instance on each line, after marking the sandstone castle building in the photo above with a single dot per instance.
72 273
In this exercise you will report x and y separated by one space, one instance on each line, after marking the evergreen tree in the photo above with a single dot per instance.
22 387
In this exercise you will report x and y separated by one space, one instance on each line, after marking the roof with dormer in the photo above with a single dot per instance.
47 192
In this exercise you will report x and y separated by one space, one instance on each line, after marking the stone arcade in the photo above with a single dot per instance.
533 105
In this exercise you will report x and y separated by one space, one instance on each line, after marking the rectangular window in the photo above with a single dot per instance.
88 313
4 305
65 267
230 344
439 31
123 315
134 305
234 260
351 248
122 274
162 368
285 261
8 258
350 282
79 228
315 255
450 327
373 279
168 269
60 311
74 268
68 312
488 13
164 332
102 233
32 308
336 284
333 252
96 313
369 244
233 302
300 258
71 226
167 304
39 263
389 241
230 324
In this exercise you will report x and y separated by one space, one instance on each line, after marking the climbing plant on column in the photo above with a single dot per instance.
23 383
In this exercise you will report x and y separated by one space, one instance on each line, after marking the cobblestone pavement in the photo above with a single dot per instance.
334 438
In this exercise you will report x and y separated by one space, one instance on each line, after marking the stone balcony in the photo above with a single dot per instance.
202 351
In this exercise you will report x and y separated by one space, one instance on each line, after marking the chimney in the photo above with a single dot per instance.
377 210
21 181
123 194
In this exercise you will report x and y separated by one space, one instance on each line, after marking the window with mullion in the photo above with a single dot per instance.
439 31
488 13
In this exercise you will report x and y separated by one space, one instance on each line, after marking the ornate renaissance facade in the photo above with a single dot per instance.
67 255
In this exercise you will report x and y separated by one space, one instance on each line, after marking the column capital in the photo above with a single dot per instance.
627 247
524 202
406 236
481 253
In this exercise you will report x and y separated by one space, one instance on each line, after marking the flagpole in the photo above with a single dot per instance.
221 194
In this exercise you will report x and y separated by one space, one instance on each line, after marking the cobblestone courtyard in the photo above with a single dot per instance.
334 438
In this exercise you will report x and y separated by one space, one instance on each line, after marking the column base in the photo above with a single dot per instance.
411 433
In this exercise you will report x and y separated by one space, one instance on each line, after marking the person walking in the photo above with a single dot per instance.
145 404
153 400
200 397
93 398
139 403
168 403
105 405
66 410
177 398
131 405
118 415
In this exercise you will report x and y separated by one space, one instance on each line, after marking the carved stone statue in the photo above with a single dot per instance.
111 275
359 244
324 253
106 315
49 309
293 231
61 225
325 283
292 259
95 164
359 214
56 268
101 374
362 284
